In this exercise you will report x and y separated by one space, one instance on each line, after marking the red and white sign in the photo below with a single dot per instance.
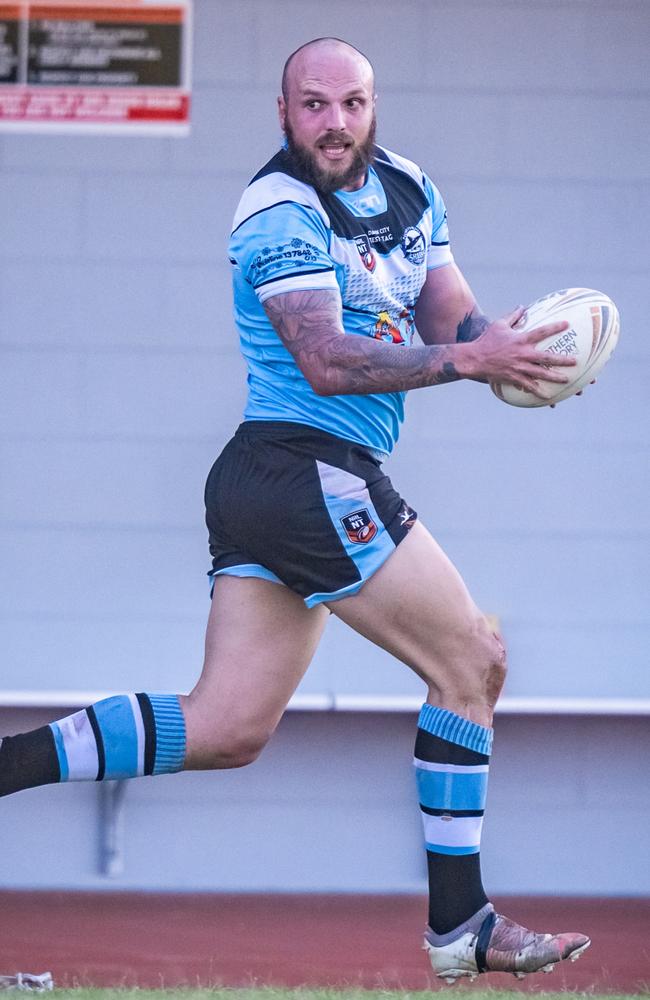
95 65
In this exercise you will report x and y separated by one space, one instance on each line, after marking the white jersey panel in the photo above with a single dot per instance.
372 246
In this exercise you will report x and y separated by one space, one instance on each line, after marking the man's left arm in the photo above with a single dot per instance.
446 311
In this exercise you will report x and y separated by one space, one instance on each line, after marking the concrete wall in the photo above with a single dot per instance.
331 806
121 381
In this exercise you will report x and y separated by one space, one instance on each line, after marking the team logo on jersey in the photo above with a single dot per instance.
271 259
385 329
398 331
413 244
366 254
359 526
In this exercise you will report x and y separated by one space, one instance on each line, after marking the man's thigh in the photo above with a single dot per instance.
418 608
259 642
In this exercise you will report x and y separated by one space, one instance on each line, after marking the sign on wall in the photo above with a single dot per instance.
95 65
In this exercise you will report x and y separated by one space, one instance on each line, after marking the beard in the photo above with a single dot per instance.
330 179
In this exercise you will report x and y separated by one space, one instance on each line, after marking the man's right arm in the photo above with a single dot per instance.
309 323
310 326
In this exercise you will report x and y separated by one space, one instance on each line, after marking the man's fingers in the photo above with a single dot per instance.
556 360
513 318
531 374
548 330
549 375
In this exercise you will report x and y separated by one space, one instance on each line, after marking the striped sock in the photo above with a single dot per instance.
452 761
120 737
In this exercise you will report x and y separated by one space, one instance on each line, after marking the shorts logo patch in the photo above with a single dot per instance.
407 516
359 526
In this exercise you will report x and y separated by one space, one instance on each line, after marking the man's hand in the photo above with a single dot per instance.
504 354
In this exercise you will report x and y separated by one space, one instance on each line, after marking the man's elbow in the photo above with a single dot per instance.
323 381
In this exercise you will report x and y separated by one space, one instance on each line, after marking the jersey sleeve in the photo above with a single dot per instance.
439 252
283 248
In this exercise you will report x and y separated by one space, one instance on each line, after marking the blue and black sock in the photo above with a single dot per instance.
120 737
452 757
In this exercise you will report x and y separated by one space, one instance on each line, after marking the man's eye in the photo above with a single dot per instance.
313 105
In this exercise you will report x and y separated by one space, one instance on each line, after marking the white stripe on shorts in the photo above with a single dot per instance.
342 484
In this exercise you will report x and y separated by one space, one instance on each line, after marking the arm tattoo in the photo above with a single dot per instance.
310 327
471 327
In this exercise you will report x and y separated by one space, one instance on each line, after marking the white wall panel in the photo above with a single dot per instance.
40 215
99 482
614 410
394 38
217 134
162 394
78 648
584 135
564 578
225 42
198 303
41 393
120 381
34 153
456 135
82 304
179 217
77 571
506 46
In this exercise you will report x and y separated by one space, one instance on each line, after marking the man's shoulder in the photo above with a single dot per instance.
280 163
275 184
399 162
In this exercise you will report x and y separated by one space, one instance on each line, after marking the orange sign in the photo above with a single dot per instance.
107 65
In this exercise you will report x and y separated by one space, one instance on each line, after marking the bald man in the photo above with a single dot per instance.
339 251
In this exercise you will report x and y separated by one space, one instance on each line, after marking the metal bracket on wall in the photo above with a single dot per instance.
111 827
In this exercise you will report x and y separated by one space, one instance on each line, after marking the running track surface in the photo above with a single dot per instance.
153 940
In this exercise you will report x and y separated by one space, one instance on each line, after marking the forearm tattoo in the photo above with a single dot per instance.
310 327
471 327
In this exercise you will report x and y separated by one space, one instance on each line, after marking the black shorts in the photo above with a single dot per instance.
293 504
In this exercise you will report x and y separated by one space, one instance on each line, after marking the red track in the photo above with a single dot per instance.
151 940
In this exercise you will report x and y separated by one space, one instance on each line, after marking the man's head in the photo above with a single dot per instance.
327 112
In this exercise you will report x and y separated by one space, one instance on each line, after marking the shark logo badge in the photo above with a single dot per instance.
413 244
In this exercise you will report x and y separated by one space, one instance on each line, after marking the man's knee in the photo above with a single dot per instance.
238 751
221 743
488 663
474 667
224 750
496 666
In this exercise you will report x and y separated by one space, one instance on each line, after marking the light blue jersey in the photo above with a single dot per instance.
373 246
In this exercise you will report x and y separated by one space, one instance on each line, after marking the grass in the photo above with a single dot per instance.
270 993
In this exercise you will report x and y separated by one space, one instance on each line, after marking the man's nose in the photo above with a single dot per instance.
335 117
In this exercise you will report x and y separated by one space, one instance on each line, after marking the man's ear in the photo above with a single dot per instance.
282 112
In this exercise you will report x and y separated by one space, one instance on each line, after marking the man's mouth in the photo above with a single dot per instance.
334 150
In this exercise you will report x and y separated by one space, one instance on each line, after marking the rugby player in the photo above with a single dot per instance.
340 252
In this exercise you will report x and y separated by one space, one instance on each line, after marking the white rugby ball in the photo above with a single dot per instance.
591 338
